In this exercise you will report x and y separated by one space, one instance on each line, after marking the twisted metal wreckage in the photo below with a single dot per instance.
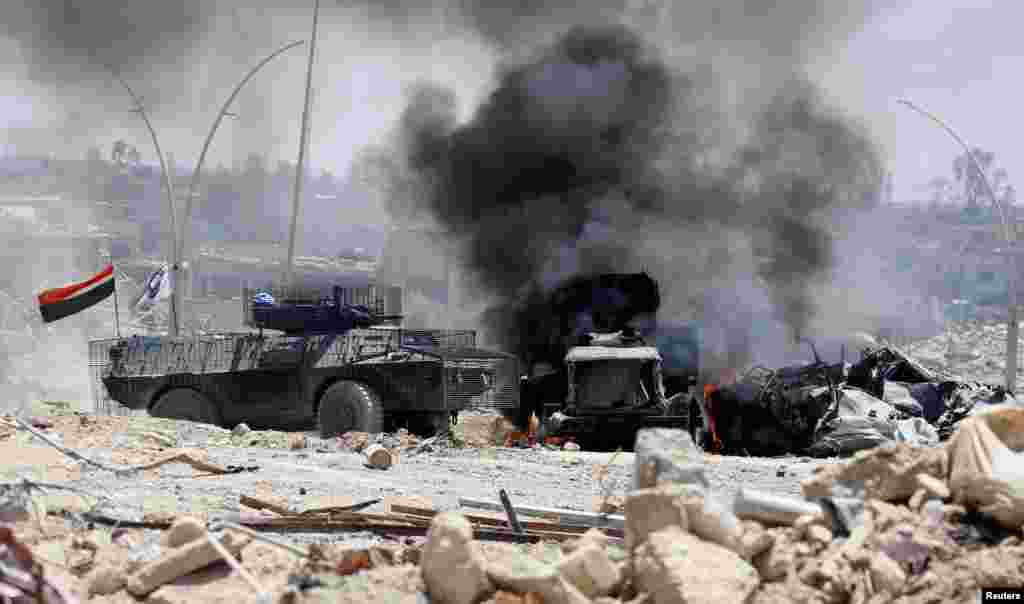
824 410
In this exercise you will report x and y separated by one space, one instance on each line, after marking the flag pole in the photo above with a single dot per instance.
117 314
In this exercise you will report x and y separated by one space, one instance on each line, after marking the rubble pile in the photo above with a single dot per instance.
829 410
975 348
898 523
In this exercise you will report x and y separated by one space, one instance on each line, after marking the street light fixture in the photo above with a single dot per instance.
166 180
177 293
1009 235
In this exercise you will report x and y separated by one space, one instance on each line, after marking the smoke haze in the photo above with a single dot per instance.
703 154
548 140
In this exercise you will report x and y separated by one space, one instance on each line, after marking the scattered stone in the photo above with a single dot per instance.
185 529
933 486
652 509
571 446
453 569
888 472
917 500
180 562
754 542
592 536
886 574
104 580
676 567
818 534
590 570
667 455
240 430
516 571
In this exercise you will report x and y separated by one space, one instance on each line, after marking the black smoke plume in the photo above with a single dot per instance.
597 156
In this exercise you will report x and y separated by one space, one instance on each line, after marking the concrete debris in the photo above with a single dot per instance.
896 523
453 569
184 530
667 455
590 570
182 561
986 474
516 571
676 567
650 510
888 472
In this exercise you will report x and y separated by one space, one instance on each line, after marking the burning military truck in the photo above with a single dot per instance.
601 366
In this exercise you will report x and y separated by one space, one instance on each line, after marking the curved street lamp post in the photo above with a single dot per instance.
166 180
1012 326
179 235
194 182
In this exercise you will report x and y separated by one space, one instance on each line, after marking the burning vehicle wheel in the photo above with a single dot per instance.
186 404
349 407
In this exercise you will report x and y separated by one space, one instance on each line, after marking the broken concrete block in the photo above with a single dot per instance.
775 562
936 488
517 571
888 472
592 536
886 574
754 542
682 505
104 580
453 569
184 530
652 509
675 567
713 521
816 533
667 455
181 561
590 570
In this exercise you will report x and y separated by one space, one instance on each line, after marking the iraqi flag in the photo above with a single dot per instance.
61 302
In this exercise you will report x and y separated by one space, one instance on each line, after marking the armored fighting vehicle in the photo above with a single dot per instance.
334 359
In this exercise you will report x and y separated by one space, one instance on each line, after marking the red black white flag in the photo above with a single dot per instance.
61 302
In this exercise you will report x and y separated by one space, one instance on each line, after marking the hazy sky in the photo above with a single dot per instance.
956 58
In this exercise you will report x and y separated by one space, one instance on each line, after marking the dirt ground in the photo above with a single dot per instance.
335 470
301 472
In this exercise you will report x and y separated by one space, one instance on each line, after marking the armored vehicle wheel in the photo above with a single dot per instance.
349 406
186 404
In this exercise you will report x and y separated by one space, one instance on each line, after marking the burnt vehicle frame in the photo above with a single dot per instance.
610 392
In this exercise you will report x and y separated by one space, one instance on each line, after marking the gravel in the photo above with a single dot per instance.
538 477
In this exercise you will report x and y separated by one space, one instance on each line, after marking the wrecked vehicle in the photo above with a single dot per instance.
940 400
827 410
614 388
352 369
600 367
